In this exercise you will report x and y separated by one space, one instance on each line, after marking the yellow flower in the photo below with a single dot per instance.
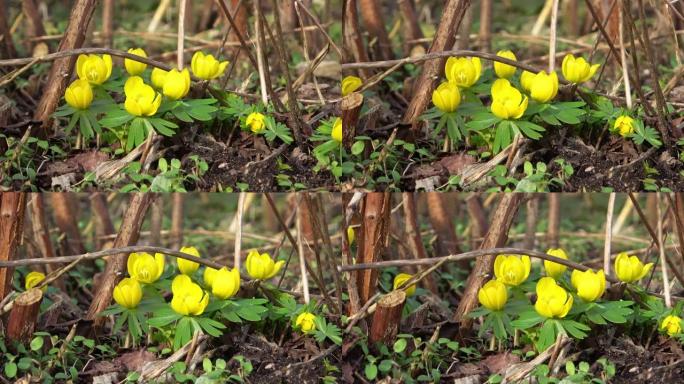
224 282
305 322
93 68
624 125
512 269
188 297
502 70
555 270
255 121
351 235
188 267
206 66
590 285
399 281
543 87
158 78
34 278
141 99
629 268
176 84
552 300
350 84
261 266
672 325
336 132
507 102
79 94
128 293
493 295
526 80
133 67
446 97
144 267
577 70
463 71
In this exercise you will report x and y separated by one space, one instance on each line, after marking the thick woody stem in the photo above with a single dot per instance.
108 23
41 232
412 31
182 7
116 265
103 221
7 50
486 25
478 220
355 50
415 241
36 28
12 205
441 220
60 73
387 317
554 220
496 237
24 315
351 110
372 239
177 220
445 37
64 207
375 24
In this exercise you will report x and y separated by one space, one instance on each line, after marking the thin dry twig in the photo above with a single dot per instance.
609 234
663 261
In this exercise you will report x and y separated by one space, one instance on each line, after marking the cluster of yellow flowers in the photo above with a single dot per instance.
141 99
553 301
507 101
188 297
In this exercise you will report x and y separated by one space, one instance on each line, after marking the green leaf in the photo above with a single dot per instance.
482 120
164 127
570 116
210 326
357 148
277 130
549 118
574 328
163 319
570 368
36 343
502 136
116 118
136 134
385 365
183 333
326 147
86 127
529 129
453 130
399 345
10 370
371 371
547 335
498 325
479 311
64 110
72 122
